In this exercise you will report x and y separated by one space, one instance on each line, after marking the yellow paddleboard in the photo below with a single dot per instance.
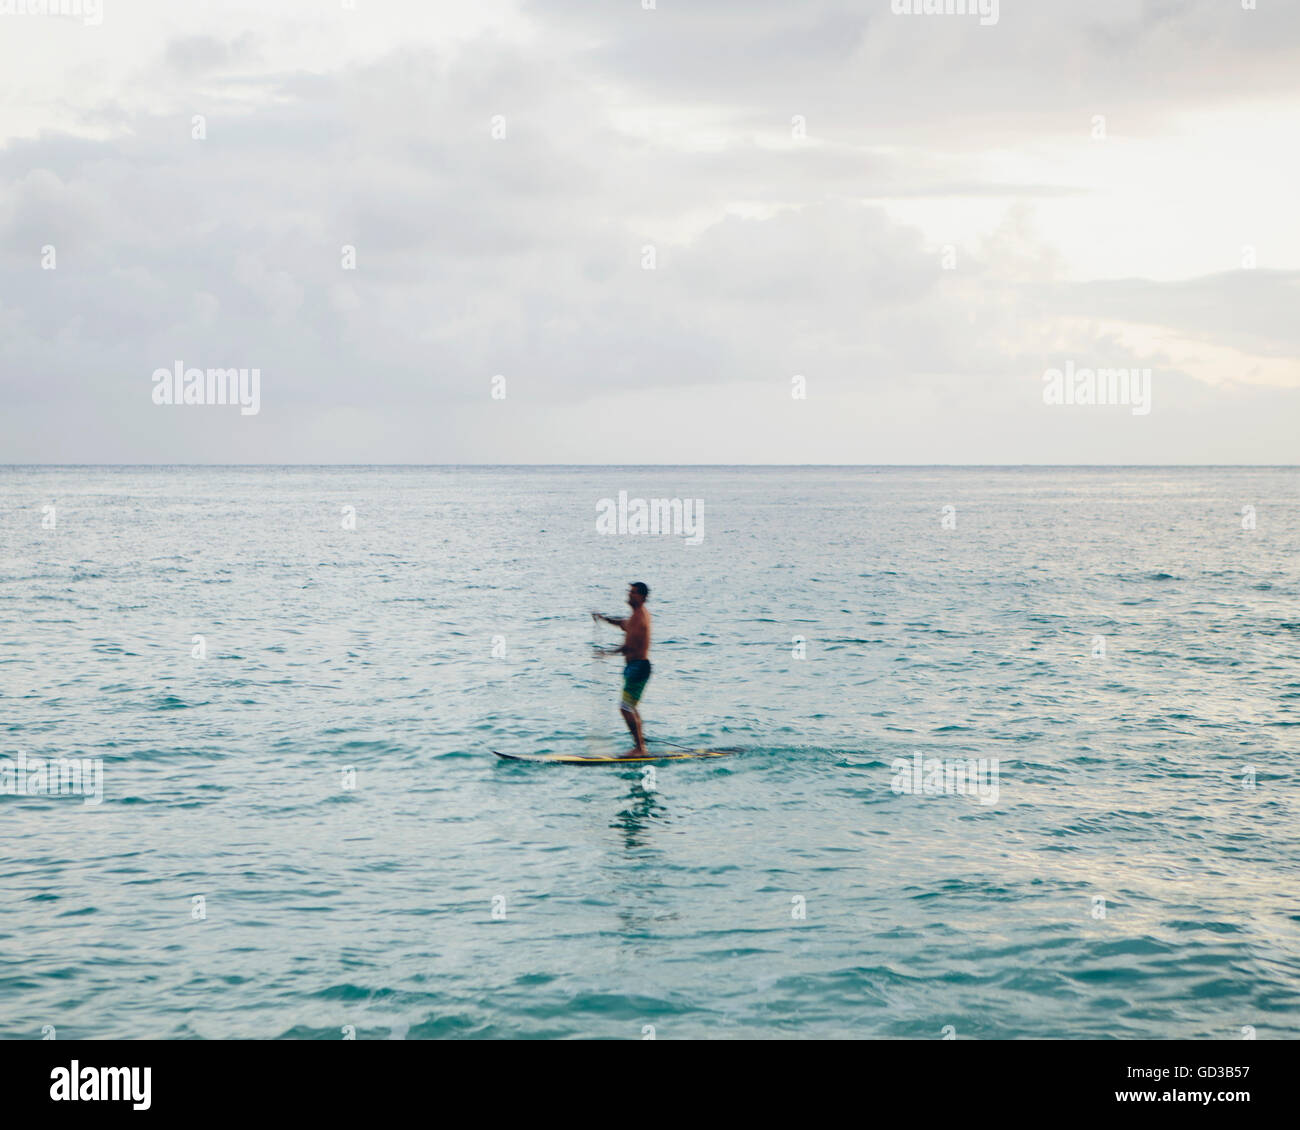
583 759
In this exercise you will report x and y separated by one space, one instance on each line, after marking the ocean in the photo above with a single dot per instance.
1017 753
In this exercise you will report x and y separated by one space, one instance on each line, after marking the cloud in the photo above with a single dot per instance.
523 253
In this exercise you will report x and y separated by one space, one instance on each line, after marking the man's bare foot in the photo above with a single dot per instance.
634 753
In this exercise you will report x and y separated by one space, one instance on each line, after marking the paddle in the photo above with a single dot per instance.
660 741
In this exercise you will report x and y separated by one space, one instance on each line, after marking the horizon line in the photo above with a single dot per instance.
782 466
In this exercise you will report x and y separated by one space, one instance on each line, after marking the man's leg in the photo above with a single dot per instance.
635 677
633 720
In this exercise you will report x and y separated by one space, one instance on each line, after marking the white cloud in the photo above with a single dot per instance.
775 254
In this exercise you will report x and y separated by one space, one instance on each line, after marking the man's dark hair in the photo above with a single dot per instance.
639 586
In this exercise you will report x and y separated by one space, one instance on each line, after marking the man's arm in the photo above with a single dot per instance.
621 624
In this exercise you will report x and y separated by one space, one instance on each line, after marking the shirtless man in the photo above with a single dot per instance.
636 650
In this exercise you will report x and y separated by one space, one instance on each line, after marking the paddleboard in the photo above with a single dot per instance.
584 759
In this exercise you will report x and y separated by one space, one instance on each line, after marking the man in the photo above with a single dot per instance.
636 650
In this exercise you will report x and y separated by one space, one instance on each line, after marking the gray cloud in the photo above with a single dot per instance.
523 256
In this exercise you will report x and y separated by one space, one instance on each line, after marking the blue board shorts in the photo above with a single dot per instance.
635 676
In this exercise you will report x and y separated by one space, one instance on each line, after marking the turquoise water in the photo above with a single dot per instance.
630 903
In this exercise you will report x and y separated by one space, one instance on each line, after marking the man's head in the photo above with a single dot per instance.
636 593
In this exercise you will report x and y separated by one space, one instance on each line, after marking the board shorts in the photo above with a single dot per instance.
635 676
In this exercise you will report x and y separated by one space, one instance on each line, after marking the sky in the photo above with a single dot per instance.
649 231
